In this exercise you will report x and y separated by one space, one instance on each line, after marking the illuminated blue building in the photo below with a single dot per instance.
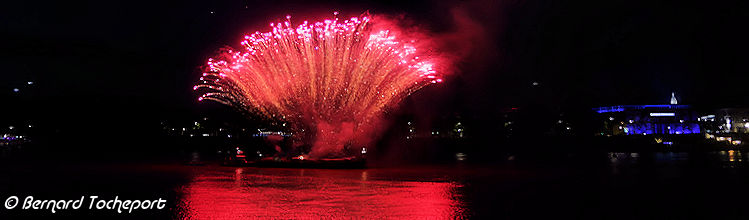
648 119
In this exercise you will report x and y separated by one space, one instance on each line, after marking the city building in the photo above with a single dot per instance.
727 120
671 119
733 120
729 125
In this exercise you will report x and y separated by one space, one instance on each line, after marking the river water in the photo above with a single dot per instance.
614 185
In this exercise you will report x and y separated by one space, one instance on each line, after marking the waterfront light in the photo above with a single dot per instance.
662 114
728 124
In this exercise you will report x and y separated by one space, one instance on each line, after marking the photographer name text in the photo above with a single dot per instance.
84 202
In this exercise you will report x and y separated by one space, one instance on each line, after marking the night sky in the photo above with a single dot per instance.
127 62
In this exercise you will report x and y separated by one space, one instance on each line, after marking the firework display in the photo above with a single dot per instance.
331 81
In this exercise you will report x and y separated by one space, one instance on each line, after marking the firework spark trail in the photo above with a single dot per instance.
331 79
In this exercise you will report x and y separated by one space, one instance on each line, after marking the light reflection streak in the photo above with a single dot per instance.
294 194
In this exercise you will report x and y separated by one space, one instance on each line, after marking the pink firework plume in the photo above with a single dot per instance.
330 80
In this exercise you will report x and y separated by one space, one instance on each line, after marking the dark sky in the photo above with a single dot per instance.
139 59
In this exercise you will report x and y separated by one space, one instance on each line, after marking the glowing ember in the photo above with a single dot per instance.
330 80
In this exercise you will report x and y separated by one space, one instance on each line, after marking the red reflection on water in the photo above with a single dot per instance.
305 194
